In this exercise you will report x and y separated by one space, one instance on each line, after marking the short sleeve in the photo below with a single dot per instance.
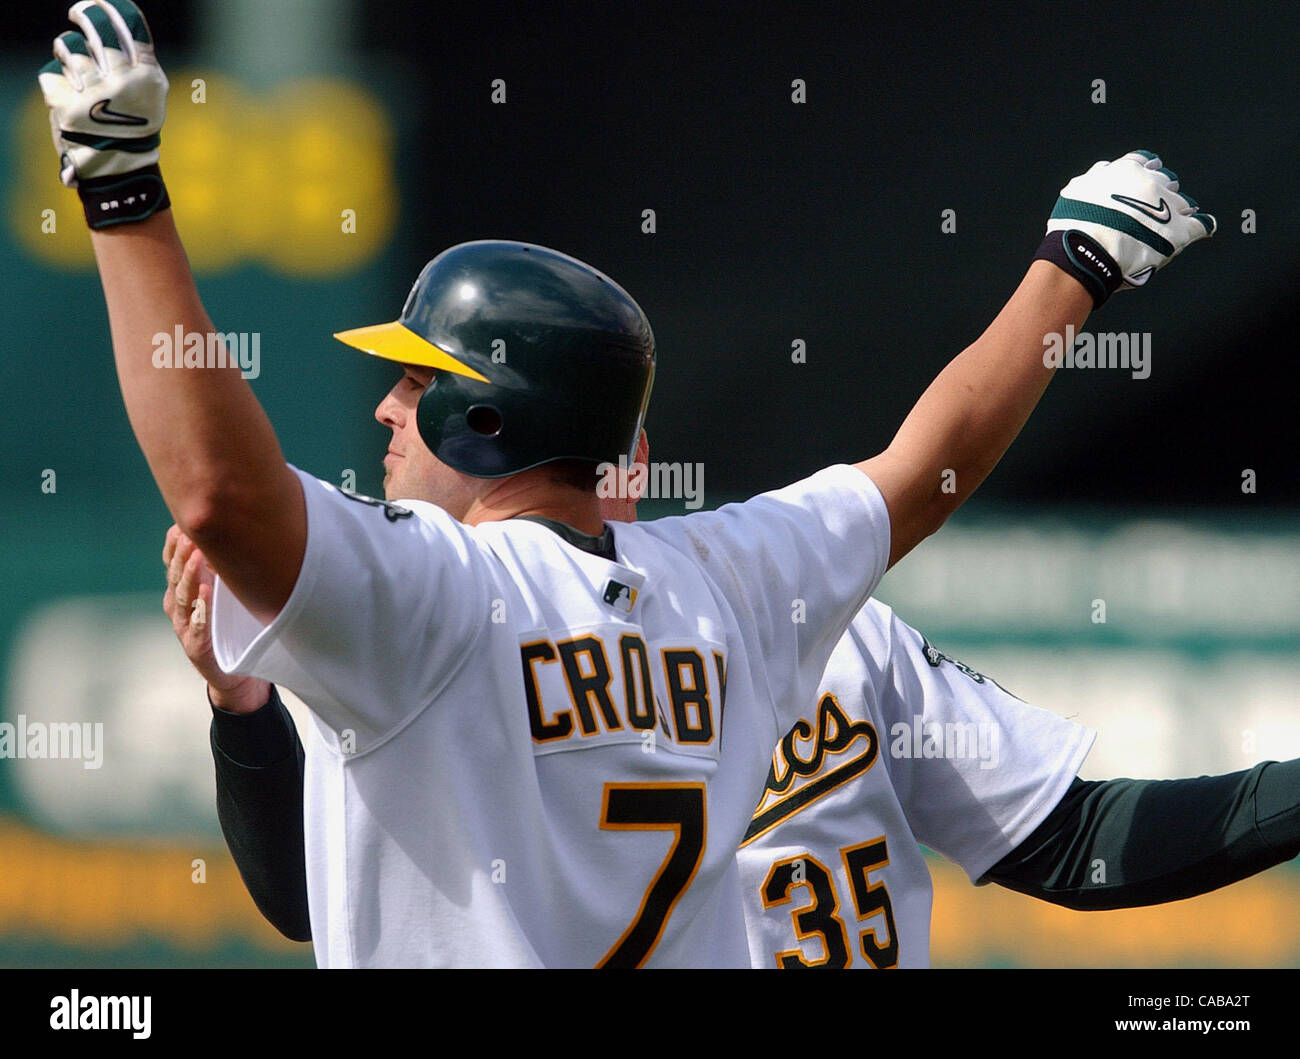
975 768
795 564
386 605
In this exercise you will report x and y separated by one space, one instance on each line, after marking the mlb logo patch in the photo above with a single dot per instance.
620 596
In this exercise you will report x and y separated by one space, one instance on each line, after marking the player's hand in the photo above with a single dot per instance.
106 93
188 602
1134 208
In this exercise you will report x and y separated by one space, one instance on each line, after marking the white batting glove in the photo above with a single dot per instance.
1133 211
107 97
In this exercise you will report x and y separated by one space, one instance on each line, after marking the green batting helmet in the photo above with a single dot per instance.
538 357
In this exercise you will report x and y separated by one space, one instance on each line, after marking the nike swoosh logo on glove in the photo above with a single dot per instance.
1159 213
1139 279
102 114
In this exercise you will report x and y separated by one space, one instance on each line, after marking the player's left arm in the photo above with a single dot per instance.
208 442
967 418
1157 840
1101 237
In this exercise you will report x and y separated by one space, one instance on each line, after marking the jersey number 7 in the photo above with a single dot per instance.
675 807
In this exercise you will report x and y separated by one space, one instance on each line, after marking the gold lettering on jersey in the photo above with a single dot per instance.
612 690
588 682
638 688
543 731
808 764
688 694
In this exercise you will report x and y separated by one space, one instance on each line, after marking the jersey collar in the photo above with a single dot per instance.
602 546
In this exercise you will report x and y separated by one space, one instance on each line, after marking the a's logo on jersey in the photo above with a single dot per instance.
936 658
841 750
620 596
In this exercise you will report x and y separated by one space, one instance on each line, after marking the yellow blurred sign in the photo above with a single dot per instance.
100 894
300 180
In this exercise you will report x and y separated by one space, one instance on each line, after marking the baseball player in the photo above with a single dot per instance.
831 868
508 765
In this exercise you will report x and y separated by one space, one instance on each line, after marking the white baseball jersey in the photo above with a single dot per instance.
524 754
903 745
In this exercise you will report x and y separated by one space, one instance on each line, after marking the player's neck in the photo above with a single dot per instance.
539 497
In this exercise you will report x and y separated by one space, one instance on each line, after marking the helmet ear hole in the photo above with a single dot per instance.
483 419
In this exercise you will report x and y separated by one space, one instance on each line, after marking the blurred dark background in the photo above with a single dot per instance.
821 221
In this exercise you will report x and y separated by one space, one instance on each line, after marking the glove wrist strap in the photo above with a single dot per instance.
123 198
1083 258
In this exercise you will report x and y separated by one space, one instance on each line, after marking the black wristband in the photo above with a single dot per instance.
1083 258
123 198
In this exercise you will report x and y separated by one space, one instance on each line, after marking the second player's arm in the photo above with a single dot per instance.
1158 840
208 442
974 409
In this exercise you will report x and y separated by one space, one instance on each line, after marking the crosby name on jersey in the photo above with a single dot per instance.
612 702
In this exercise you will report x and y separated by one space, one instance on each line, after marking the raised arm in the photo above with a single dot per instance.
1111 229
207 441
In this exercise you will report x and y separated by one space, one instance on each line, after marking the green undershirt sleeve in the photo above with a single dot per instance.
259 770
1123 843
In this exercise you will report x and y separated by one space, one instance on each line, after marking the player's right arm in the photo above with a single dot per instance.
1099 240
210 446
230 489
